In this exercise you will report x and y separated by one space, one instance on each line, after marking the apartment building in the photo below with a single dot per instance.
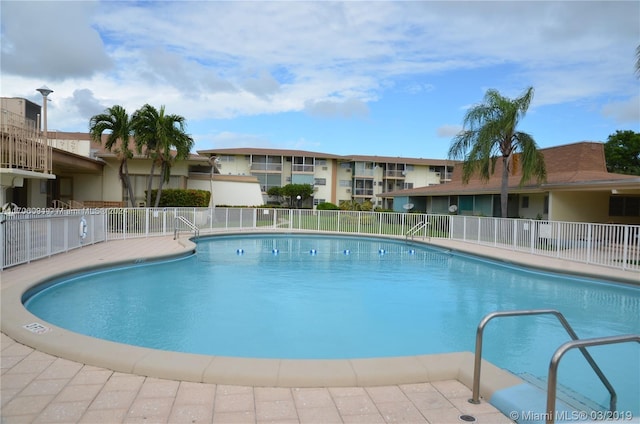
68 169
578 188
335 178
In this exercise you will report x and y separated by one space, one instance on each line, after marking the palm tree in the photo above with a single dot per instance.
116 122
491 133
159 133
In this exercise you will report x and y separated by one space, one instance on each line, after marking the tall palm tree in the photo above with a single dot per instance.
491 133
116 122
158 134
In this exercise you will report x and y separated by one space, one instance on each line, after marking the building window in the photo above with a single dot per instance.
266 163
345 183
316 202
268 180
407 186
525 201
624 206
302 164
320 181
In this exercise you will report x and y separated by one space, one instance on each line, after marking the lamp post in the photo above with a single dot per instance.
45 91
298 197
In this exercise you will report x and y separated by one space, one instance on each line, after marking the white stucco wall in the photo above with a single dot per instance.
583 206
230 192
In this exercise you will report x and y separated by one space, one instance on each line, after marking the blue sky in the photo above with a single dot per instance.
366 78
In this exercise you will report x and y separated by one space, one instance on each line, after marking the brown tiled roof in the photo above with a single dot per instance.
274 152
349 158
570 165
397 159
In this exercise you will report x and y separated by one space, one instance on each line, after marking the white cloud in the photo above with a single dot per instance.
349 108
624 111
448 131
225 59
228 139
52 39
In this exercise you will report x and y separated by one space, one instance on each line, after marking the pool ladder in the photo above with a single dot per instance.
185 221
414 230
552 379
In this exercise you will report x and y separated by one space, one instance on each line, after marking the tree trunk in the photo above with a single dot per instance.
504 187
150 182
163 170
127 183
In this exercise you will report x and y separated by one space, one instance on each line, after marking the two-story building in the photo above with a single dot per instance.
578 188
335 178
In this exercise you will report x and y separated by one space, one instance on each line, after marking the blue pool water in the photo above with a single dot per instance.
339 297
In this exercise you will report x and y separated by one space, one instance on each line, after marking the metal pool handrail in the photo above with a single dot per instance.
413 230
191 225
478 354
555 361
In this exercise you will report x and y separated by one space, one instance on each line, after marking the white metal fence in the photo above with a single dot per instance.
36 234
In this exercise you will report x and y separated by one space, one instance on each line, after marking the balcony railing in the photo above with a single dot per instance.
389 173
22 146
271 167
33 234
303 168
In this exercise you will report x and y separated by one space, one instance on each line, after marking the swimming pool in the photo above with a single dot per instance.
328 297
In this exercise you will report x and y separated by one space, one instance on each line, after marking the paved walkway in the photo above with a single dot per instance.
41 388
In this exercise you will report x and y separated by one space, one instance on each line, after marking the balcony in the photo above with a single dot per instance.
394 174
22 146
267 167
309 169
367 192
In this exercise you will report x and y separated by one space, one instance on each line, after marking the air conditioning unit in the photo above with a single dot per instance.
348 190
348 169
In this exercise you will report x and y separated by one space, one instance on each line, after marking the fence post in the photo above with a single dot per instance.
124 223
532 235
625 249
28 239
589 242
146 221
3 220
49 238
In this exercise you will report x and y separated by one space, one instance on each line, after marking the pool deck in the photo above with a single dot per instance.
53 383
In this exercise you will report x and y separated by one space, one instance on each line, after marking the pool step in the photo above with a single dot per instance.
576 400
526 404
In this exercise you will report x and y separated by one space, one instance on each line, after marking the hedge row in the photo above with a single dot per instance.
175 197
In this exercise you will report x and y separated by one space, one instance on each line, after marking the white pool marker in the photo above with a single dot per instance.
36 327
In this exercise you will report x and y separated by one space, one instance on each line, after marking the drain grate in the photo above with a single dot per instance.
467 418
36 327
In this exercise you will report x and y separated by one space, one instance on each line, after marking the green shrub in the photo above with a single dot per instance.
176 197
327 206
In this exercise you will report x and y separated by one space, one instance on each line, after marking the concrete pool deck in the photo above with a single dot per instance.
130 384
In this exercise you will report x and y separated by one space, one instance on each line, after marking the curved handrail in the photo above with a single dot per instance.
413 230
191 225
552 380
478 354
